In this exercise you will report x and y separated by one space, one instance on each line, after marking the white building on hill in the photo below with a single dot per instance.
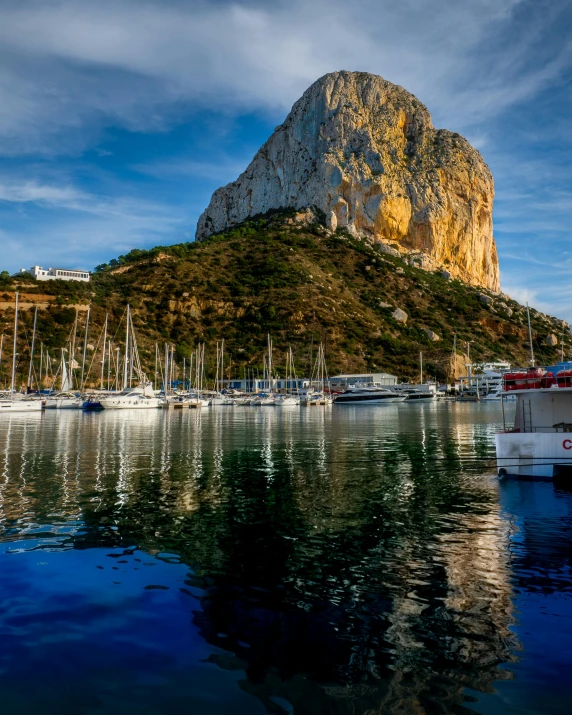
53 274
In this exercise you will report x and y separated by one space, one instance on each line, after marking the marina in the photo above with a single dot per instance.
312 559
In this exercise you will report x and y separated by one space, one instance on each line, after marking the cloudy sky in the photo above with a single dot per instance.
118 118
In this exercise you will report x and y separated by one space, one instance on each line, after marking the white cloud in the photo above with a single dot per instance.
71 67
32 192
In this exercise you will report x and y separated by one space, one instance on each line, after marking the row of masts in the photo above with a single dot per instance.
120 371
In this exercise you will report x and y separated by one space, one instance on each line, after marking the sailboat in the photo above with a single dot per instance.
9 403
289 399
266 399
319 375
141 397
65 399
218 399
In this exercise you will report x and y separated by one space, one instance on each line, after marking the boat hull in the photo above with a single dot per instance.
12 406
374 400
544 455
109 403
63 404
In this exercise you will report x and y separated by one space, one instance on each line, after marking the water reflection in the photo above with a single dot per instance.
341 561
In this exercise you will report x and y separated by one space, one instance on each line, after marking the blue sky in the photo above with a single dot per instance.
119 118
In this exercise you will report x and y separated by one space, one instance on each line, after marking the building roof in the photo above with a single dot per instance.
362 374
76 270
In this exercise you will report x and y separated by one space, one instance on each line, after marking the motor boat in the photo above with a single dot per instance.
139 398
419 395
287 401
8 404
92 404
495 395
220 400
368 395
539 443
64 401
264 400
188 400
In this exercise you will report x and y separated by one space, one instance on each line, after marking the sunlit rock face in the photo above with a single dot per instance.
365 152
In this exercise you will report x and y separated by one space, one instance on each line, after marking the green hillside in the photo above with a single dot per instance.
301 284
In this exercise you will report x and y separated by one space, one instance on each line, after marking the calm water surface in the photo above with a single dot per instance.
343 561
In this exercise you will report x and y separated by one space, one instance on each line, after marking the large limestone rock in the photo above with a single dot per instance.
365 152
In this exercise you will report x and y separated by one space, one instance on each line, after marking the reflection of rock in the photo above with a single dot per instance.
338 590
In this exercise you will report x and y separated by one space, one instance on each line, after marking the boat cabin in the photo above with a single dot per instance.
539 442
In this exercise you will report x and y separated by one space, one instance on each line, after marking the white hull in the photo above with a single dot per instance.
11 406
184 404
496 397
534 454
63 404
140 403
264 402
375 401
288 402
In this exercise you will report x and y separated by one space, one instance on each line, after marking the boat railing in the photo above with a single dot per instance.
562 427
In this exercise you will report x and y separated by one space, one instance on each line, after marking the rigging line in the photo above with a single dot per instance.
92 360
120 323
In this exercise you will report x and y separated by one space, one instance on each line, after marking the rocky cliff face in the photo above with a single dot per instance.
365 152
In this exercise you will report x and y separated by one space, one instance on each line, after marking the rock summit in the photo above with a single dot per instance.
365 152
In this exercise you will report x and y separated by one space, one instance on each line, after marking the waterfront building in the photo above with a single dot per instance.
52 274
338 383
277 384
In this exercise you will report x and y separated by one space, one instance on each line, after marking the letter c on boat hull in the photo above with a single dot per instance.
567 444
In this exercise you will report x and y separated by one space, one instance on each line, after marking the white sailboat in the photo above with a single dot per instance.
140 397
319 375
65 399
289 399
11 403
218 399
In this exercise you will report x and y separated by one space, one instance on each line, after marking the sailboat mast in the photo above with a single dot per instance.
126 359
530 336
41 364
222 365
13 381
166 371
1 348
421 367
103 356
29 384
72 356
109 364
84 348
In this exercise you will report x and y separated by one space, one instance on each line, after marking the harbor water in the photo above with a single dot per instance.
324 561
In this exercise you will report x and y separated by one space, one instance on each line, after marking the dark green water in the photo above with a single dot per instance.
343 561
